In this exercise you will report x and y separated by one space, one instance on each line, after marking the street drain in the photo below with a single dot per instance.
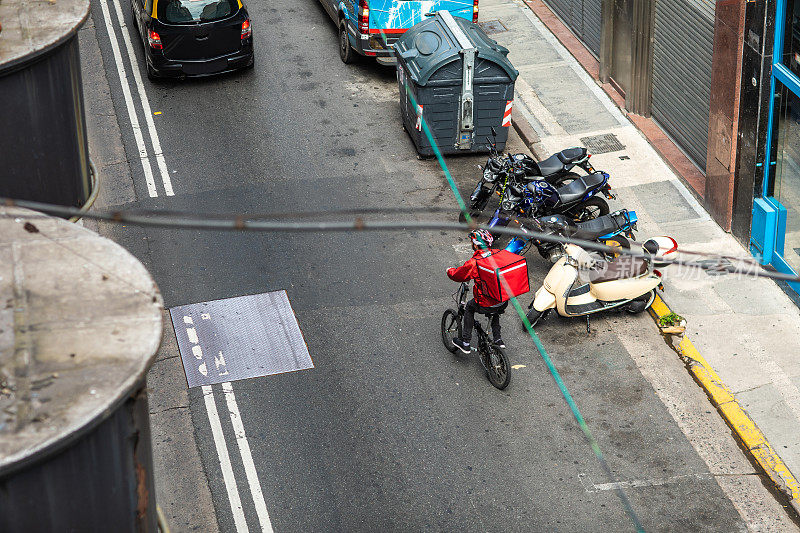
492 26
602 144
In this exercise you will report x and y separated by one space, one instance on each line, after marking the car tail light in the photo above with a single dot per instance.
475 11
363 16
247 31
154 39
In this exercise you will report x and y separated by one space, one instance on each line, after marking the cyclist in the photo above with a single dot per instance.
481 245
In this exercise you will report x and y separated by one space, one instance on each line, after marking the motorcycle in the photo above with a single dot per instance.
578 200
522 168
626 282
613 229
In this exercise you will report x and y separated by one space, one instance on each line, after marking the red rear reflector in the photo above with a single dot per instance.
154 39
475 11
247 31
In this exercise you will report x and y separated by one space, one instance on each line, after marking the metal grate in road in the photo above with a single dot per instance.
492 26
602 144
239 338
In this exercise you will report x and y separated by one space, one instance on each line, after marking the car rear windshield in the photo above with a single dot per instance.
191 11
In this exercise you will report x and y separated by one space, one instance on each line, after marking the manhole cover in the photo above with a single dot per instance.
492 26
602 144
239 338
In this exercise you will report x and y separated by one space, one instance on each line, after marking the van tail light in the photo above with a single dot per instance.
475 11
363 16
247 31
154 39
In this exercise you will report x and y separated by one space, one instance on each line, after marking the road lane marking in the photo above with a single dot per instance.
597 487
247 458
148 114
126 92
224 460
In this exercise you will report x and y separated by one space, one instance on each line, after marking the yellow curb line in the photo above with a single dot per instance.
742 425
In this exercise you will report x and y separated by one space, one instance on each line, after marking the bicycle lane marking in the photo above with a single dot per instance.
126 92
148 114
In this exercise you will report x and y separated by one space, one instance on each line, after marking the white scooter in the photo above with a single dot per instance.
625 282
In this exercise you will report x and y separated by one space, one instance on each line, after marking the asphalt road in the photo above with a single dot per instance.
389 431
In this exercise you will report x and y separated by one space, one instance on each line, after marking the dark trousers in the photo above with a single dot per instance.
469 318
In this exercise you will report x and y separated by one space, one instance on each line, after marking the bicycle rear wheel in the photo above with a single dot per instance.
451 327
497 368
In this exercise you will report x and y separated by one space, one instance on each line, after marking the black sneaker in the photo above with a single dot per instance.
461 345
499 343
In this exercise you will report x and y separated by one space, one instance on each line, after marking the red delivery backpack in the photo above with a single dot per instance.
503 265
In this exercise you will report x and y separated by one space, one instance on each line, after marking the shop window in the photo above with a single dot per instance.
785 183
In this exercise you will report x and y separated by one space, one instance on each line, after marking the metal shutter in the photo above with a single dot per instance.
583 17
592 24
683 43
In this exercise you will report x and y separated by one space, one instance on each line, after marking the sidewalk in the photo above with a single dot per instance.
748 330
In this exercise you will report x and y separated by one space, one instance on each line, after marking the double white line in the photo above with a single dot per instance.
126 91
225 461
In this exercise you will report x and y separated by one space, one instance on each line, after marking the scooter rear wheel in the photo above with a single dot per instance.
641 303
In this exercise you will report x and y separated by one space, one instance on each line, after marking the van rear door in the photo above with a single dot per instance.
403 14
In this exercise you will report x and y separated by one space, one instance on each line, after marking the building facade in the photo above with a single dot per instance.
721 79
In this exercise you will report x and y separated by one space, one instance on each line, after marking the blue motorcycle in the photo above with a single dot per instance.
613 229
578 200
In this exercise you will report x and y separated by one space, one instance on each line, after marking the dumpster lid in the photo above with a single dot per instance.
433 43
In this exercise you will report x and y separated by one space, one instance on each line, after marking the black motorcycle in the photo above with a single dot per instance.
519 169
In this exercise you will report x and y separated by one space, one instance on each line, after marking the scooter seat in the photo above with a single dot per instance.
597 227
551 165
575 191
623 267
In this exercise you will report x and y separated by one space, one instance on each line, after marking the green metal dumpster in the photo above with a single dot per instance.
458 80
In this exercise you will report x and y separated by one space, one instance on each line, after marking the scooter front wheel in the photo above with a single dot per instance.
534 317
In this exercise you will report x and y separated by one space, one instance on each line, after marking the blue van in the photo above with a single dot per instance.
370 27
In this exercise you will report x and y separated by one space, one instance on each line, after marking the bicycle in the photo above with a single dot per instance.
493 358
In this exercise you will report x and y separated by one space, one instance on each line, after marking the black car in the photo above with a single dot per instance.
193 37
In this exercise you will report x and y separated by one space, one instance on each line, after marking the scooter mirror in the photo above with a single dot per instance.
494 132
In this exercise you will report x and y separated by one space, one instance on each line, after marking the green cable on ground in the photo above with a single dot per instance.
536 341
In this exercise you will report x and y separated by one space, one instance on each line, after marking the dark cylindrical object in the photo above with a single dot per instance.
43 145
80 325
101 481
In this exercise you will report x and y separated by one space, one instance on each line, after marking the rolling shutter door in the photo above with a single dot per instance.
583 17
683 43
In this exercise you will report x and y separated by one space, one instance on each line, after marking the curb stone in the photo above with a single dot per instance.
745 429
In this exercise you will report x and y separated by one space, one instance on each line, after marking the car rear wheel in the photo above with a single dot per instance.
346 52
151 72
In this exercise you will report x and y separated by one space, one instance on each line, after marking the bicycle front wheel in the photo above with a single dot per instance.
451 327
497 368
